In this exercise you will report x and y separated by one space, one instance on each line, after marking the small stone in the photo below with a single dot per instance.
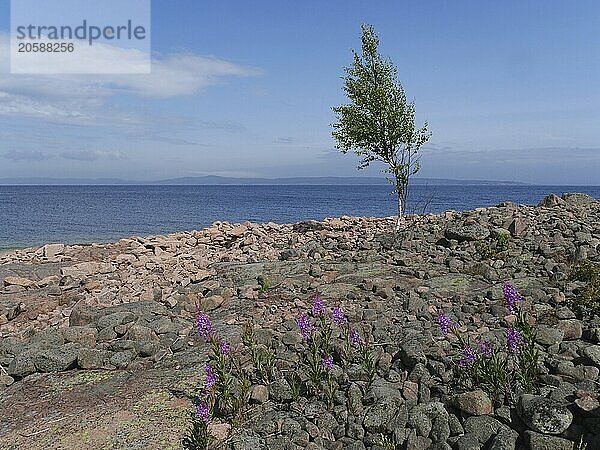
468 442
476 403
355 399
571 328
85 336
52 250
6 380
411 353
543 414
482 427
259 394
85 269
415 442
219 431
539 441
288 254
506 439
588 404
57 359
517 227
593 354
90 359
551 200
14 309
419 420
473 232
170 301
212 302
564 312
122 359
547 335
410 391
456 428
280 391
18 281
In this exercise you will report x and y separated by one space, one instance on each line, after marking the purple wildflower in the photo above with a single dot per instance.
225 348
211 377
514 341
485 348
512 297
318 306
354 337
338 317
445 323
469 355
306 327
203 413
327 363
205 326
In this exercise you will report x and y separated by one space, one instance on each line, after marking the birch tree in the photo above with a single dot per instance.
378 123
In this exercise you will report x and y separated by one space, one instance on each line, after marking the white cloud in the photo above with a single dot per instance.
24 155
73 155
93 155
79 99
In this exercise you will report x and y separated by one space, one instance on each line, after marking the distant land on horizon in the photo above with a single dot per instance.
218 180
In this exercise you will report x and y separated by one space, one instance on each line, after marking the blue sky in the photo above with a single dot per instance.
511 91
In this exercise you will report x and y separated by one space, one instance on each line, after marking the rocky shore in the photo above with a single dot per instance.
98 347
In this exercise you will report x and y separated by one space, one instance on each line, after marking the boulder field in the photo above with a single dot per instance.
98 346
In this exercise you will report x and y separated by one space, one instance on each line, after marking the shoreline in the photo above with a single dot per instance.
112 223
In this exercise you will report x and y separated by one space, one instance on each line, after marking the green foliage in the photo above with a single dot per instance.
330 389
495 249
379 122
502 371
581 445
588 298
502 242
485 250
367 362
527 370
584 271
386 443
265 285
491 374
225 393
197 436
263 358
295 384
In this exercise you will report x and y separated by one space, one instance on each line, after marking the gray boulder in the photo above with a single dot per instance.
476 403
482 427
551 200
22 365
90 358
543 414
85 336
474 232
57 359
506 439
539 441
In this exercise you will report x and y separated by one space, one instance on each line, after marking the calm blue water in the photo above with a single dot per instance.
34 215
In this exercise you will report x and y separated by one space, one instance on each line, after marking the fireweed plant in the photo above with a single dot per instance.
225 391
502 371
316 329
328 338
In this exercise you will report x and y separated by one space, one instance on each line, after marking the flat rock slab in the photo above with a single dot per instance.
96 409
450 285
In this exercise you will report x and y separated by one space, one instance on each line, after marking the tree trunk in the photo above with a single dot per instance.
399 219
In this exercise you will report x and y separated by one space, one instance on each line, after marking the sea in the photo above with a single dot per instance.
35 215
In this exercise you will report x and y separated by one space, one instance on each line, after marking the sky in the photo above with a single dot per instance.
511 91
